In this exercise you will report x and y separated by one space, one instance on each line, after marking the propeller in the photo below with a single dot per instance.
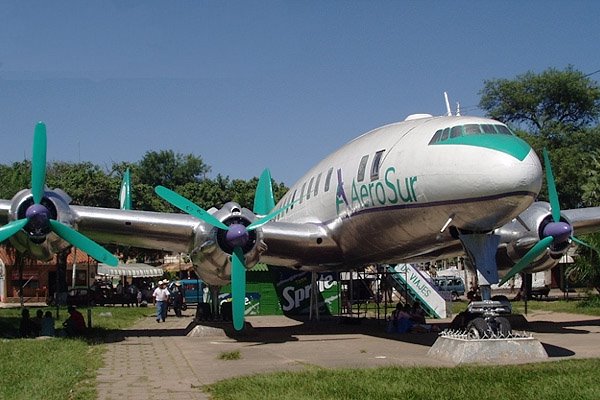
237 235
38 217
554 233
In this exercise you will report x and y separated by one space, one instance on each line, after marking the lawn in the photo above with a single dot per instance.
57 368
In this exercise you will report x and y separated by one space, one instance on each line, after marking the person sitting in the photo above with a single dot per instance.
36 322
75 324
400 322
47 325
26 329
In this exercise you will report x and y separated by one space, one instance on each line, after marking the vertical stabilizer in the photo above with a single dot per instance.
125 195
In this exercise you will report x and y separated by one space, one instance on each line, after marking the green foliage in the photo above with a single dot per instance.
573 164
169 169
14 178
586 269
591 188
551 102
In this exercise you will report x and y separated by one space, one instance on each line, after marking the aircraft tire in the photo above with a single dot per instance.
478 328
503 327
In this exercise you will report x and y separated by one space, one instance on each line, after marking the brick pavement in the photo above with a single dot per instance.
152 360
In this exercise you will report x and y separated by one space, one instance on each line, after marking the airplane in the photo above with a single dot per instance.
429 187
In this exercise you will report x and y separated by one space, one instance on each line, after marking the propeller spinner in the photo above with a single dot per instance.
38 221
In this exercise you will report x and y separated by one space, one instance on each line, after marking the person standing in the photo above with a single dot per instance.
178 298
161 296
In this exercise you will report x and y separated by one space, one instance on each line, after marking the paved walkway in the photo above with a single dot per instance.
152 360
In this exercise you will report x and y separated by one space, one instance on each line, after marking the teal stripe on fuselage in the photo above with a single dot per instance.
512 145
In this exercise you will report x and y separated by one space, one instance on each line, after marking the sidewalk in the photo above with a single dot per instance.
152 360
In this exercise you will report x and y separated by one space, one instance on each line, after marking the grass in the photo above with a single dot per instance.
575 379
230 355
57 368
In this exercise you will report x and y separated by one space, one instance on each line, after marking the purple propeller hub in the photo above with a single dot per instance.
560 231
237 235
38 216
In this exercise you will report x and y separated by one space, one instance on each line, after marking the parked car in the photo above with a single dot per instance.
452 284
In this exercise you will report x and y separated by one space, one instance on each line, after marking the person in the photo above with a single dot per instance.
36 322
178 298
47 325
400 322
416 313
75 324
25 326
161 296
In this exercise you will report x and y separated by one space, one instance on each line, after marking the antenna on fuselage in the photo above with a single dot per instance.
448 110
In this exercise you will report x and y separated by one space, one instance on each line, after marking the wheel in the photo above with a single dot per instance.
454 296
478 328
183 307
502 328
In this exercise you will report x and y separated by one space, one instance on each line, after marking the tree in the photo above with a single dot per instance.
552 102
86 183
170 169
586 268
14 178
591 188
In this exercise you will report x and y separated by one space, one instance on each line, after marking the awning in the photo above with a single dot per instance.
134 270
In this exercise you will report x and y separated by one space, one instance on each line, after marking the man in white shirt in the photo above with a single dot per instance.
161 297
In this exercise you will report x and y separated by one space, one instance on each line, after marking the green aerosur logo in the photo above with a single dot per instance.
393 189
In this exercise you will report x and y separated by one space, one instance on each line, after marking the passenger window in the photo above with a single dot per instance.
375 165
317 183
309 190
302 192
328 179
361 168
293 199
456 131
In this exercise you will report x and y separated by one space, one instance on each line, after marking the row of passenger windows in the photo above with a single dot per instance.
470 129
312 190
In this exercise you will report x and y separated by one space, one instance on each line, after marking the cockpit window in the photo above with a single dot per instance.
445 134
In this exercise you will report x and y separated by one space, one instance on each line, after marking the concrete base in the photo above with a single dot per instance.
487 351
206 331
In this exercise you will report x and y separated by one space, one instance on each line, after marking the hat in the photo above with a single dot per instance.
177 283
161 282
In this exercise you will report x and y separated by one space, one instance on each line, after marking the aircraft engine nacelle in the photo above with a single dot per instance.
37 238
212 255
521 234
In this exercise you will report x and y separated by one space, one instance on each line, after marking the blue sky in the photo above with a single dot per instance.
253 84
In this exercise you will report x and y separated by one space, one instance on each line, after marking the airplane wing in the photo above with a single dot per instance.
583 220
145 229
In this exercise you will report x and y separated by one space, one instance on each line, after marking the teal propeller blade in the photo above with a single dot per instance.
552 193
10 229
534 252
263 198
238 288
125 195
189 207
38 163
581 242
80 241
